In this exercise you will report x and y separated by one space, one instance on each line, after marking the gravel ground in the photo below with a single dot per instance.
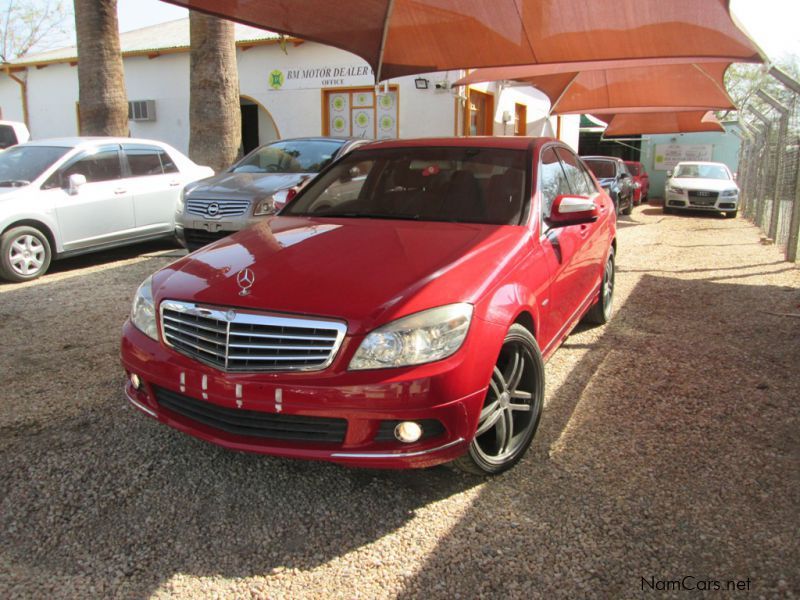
668 448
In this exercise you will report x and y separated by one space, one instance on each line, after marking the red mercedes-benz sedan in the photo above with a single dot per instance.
397 313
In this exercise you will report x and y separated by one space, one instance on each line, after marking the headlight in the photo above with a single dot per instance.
143 311
420 338
675 189
272 204
729 193
265 207
181 201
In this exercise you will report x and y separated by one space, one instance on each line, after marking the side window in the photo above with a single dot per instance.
552 181
167 164
102 165
143 160
575 174
8 136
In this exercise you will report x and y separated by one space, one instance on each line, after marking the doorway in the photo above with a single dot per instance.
258 127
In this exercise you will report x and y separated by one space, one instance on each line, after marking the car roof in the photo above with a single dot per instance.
508 142
78 141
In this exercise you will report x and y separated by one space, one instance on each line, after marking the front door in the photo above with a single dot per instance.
566 253
99 211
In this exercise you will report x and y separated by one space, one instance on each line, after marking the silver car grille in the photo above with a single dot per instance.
217 209
245 341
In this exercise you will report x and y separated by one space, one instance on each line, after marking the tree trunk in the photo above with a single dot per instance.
215 120
102 101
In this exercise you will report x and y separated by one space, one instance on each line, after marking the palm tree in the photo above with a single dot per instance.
102 101
215 120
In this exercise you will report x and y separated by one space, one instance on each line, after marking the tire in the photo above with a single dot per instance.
628 209
513 403
25 254
731 214
603 309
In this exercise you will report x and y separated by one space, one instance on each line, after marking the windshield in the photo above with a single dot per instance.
19 165
701 172
602 169
462 184
298 156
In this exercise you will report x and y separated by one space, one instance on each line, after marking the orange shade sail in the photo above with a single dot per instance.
660 122
405 37
635 89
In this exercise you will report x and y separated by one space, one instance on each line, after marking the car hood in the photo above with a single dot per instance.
364 271
694 183
246 185
7 193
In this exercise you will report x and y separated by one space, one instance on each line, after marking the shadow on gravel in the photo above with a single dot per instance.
666 453
98 500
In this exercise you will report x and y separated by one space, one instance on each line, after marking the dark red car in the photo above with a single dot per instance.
641 177
397 313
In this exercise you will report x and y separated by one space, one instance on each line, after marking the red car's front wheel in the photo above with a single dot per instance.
512 407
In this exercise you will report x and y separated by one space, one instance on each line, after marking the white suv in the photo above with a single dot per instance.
707 186
62 197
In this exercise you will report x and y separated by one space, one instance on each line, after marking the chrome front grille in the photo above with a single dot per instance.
217 209
246 341
702 197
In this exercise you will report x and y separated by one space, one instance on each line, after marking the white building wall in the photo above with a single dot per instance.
164 79
10 98
53 94
52 101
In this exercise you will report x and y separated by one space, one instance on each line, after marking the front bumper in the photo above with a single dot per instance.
368 401
193 231
683 202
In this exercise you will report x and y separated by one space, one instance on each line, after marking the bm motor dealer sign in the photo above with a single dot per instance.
320 77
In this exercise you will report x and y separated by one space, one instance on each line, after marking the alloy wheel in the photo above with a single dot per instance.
512 407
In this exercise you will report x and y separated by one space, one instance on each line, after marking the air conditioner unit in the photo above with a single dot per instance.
142 110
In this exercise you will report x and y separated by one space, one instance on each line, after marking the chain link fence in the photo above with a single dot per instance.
769 163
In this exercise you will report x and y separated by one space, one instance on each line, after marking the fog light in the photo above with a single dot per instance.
408 432
135 381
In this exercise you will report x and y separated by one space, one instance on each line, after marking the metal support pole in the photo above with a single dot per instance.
794 225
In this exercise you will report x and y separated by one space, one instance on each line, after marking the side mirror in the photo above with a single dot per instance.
573 210
735 175
76 180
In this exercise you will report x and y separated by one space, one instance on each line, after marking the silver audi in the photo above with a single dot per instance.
256 186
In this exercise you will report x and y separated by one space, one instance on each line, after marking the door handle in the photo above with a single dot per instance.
174 183
120 191
584 230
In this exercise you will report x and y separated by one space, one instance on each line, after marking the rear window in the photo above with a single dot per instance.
464 184
602 169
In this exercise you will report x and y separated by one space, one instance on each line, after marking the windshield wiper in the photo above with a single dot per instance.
14 182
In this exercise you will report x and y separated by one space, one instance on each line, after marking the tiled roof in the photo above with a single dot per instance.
164 36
